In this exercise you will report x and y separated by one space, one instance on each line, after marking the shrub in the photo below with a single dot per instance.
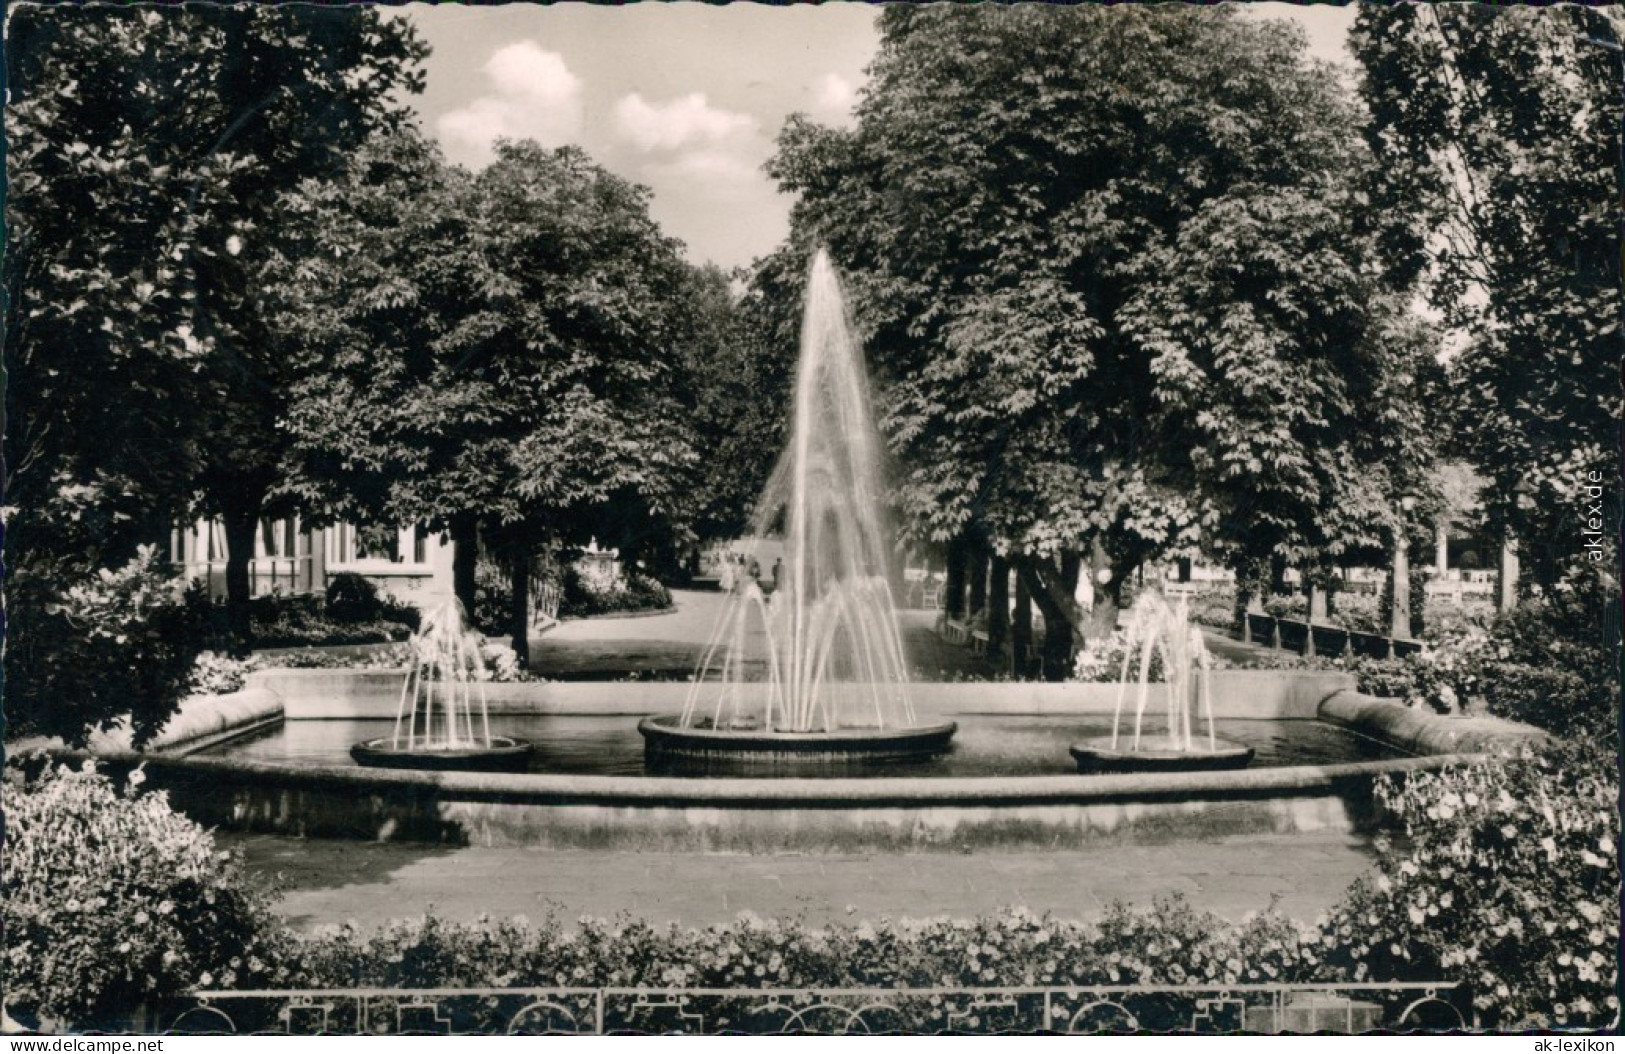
1508 877
113 643
352 598
113 900
352 612
393 657
1574 628
1101 659
493 589
1549 663
1169 943
1215 608
319 632
579 598
1359 612
216 674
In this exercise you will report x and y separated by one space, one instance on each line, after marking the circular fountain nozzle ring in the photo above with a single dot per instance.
1099 755
501 754
666 738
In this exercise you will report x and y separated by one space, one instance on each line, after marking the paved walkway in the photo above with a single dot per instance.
334 881
669 646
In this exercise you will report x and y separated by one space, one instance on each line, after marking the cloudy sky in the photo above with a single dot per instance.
684 98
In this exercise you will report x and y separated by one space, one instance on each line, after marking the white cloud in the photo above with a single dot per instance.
834 96
677 123
713 168
534 96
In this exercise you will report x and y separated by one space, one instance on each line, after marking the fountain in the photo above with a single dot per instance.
1159 628
435 720
834 684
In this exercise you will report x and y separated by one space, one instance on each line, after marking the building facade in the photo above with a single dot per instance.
412 565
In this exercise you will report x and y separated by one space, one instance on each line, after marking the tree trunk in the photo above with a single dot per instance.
1107 595
1399 588
1277 574
519 600
1051 589
954 602
1021 627
1506 585
465 554
998 605
978 580
240 523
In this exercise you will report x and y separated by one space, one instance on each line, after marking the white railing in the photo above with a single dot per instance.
1269 1008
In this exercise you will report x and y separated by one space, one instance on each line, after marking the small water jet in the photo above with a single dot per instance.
1158 628
834 683
435 724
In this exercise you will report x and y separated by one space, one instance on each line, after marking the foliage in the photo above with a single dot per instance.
1498 128
580 598
489 347
315 632
736 368
112 900
1169 944
1215 608
217 674
1507 876
1101 659
147 151
1552 662
353 612
353 598
113 644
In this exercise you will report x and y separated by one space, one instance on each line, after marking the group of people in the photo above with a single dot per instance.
737 570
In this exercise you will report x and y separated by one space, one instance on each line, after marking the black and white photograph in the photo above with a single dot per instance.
835 519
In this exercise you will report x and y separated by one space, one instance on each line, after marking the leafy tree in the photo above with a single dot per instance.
146 148
149 150
484 352
1501 126
1117 288
738 365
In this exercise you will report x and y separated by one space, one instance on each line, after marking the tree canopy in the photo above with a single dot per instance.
1121 284
493 348
1503 127
148 153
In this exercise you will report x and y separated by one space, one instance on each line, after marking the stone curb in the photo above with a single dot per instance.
1419 732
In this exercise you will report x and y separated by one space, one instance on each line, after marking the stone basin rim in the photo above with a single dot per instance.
785 791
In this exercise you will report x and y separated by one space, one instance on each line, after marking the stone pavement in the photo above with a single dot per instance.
329 882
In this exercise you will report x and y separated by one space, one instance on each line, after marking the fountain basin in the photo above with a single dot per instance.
501 754
666 739
1101 755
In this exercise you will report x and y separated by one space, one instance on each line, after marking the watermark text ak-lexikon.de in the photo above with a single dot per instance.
1591 520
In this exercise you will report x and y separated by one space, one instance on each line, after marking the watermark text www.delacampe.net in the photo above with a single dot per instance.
1591 536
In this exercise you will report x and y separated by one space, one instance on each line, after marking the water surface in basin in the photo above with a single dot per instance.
986 745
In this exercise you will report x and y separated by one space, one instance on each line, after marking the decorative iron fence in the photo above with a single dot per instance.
1260 1008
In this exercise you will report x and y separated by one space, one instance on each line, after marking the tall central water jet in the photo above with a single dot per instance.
833 682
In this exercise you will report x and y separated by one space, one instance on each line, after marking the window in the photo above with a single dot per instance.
375 547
